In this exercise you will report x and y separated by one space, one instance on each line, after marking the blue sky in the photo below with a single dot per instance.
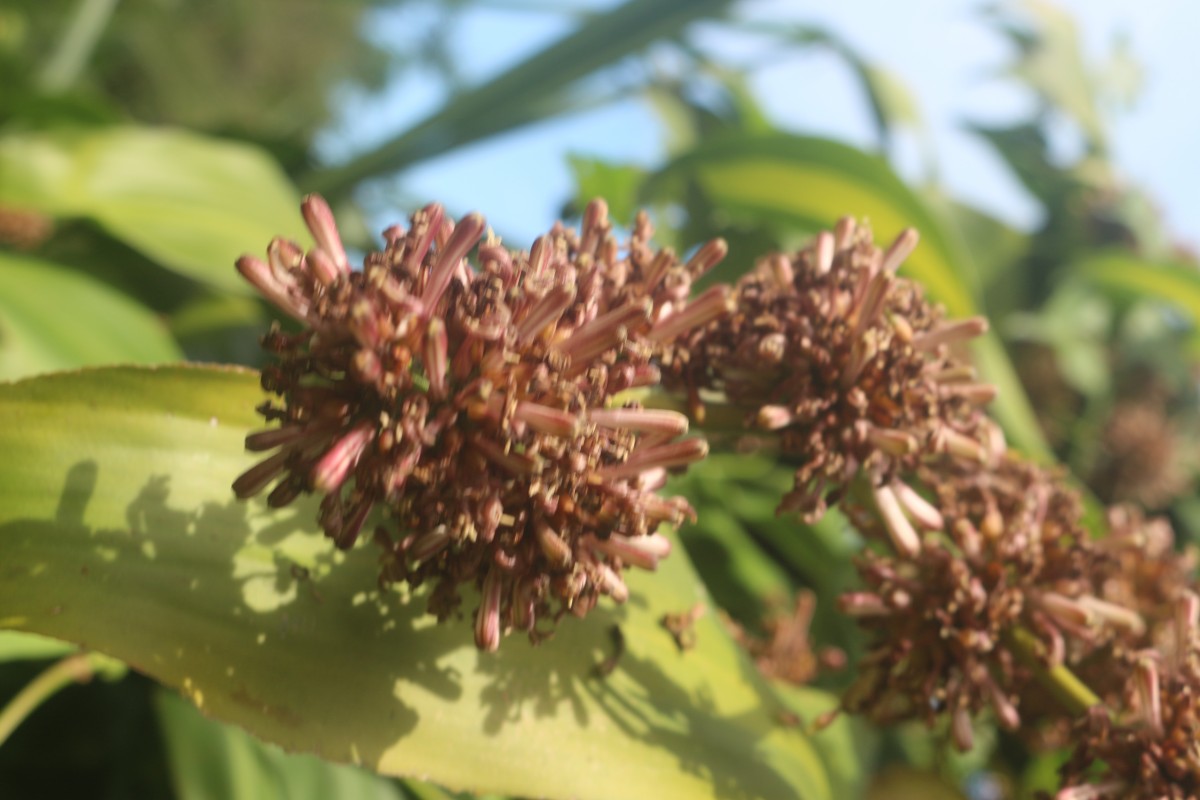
939 49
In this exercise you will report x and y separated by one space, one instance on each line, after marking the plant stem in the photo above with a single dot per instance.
75 668
67 62
1064 685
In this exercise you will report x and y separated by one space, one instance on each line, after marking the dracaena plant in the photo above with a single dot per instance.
493 410
492 429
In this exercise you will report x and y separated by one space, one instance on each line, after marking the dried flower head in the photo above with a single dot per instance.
1151 749
1139 459
998 549
476 406
848 363
788 653
1137 567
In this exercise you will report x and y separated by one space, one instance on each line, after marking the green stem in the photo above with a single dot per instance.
1064 685
75 668
67 62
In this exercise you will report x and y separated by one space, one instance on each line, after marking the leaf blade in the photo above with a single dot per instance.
256 620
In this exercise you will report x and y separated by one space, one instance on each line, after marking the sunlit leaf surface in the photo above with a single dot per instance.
190 202
52 318
118 531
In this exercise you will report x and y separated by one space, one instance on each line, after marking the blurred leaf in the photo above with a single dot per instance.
209 760
259 622
192 203
1122 78
221 329
741 577
806 184
847 746
890 102
54 318
905 783
222 66
618 184
997 251
1026 150
531 91
1123 274
1074 323
1050 60
17 646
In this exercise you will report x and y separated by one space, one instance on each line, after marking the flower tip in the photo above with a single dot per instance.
900 249
708 256
318 216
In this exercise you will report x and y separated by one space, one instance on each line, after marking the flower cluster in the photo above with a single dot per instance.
1152 750
478 405
997 550
848 363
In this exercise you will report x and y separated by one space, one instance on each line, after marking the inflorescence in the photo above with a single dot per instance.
480 398
846 362
480 405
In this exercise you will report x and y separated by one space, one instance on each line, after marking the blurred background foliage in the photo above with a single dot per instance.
145 144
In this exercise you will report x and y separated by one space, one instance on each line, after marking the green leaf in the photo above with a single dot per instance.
55 318
531 91
17 646
211 760
1174 283
847 746
190 202
618 184
889 101
122 535
805 184
999 252
1050 60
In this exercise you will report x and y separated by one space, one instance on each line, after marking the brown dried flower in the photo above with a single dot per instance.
1139 460
999 549
788 654
475 405
848 363
1152 749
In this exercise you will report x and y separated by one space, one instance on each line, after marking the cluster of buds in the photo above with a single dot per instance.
478 406
847 363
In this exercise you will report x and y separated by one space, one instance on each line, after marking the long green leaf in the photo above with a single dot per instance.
17 646
190 202
1173 283
805 184
118 532
523 94
209 760
54 318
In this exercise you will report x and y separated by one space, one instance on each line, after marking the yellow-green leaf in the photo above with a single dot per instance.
190 202
118 531
54 318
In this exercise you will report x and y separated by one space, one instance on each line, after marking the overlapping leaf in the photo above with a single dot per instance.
53 318
118 532
190 202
